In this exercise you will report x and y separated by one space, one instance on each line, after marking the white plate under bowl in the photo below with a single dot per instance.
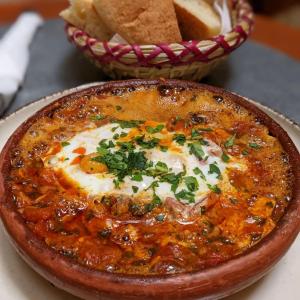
19 282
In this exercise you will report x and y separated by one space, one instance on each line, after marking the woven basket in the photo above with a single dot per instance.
187 60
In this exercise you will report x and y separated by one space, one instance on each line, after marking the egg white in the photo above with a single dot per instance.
103 184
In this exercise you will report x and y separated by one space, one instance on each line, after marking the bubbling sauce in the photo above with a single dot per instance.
147 181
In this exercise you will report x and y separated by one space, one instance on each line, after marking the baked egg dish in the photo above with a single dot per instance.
148 180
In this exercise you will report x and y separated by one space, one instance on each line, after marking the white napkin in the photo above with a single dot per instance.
14 56
221 6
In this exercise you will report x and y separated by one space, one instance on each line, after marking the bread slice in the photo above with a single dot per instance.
83 15
141 21
197 19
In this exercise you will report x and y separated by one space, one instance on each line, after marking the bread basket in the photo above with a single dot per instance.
187 60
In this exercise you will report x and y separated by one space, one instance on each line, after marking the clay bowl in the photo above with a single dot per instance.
211 283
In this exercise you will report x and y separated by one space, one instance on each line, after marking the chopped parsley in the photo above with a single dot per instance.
104 146
117 183
197 171
214 188
137 161
156 200
195 133
156 129
173 179
245 152
185 195
152 143
118 107
65 144
196 149
123 134
126 145
230 142
137 177
191 183
116 136
128 124
214 169
254 146
122 163
135 189
163 148
225 157
97 117
153 186
179 139
161 167
128 158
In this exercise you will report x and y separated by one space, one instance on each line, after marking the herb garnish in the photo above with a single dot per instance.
196 149
245 152
137 177
121 163
195 133
254 146
156 129
197 171
225 157
97 117
185 195
65 144
191 183
213 168
163 148
127 146
173 179
230 142
179 139
135 189
214 188
128 124
140 140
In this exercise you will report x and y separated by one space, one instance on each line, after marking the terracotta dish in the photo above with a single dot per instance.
150 189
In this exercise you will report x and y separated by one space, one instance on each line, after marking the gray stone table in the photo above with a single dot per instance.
253 70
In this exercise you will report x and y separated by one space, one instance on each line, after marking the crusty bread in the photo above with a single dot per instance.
83 15
197 19
141 22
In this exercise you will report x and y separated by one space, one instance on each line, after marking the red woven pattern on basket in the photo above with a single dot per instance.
190 50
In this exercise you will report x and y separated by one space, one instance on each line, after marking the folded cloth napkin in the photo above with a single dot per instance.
14 56
221 6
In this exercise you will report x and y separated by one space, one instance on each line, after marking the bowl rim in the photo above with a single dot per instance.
234 274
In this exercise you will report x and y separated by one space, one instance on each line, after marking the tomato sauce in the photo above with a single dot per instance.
123 236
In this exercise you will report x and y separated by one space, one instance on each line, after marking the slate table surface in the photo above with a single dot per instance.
253 70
